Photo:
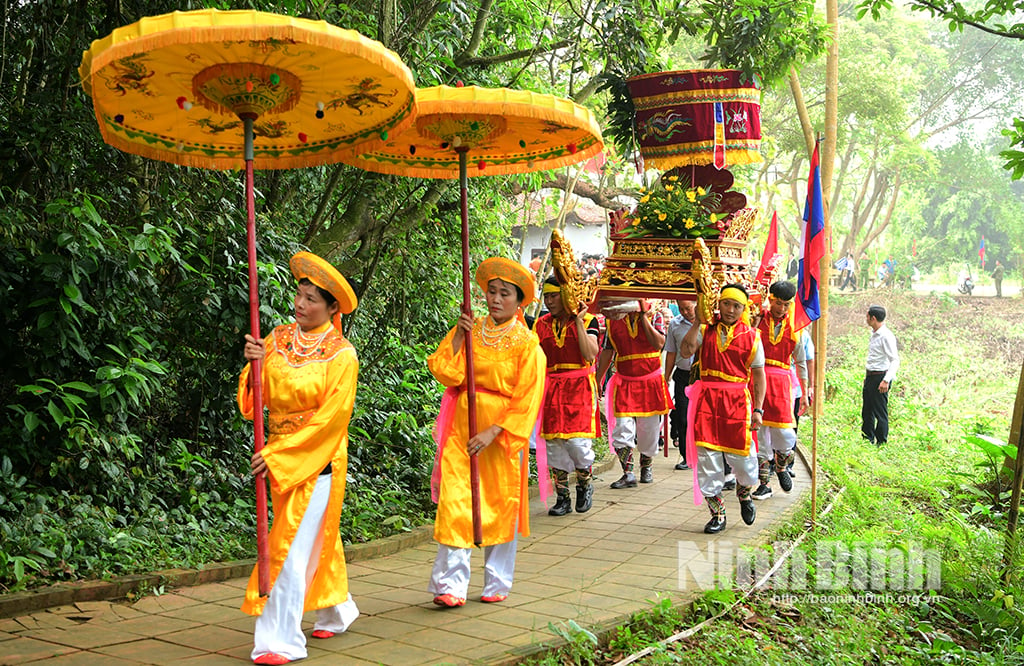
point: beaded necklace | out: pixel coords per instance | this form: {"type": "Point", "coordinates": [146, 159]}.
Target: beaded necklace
{"type": "Point", "coordinates": [304, 344]}
{"type": "Point", "coordinates": [492, 336]}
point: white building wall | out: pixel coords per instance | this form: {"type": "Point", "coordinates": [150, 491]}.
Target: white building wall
{"type": "Point", "coordinates": [584, 240]}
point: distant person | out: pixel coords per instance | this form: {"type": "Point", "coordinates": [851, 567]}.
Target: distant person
{"type": "Point", "coordinates": [864, 269]}
{"type": "Point", "coordinates": [508, 368]}
{"type": "Point", "coordinates": [725, 409]}
{"type": "Point", "coordinates": [798, 391]}
{"type": "Point", "coordinates": [882, 363]}
{"type": "Point", "coordinates": [637, 393]}
{"type": "Point", "coordinates": [569, 420]}
{"type": "Point", "coordinates": [849, 274]}
{"type": "Point", "coordinates": [997, 278]}
{"type": "Point", "coordinates": [677, 367]}
{"type": "Point", "coordinates": [890, 272]}
{"type": "Point", "coordinates": [309, 387]}
{"type": "Point", "coordinates": [535, 265]}
{"type": "Point", "coordinates": [776, 438]}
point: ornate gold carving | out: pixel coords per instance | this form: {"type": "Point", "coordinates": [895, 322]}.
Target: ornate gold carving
{"type": "Point", "coordinates": [576, 289]}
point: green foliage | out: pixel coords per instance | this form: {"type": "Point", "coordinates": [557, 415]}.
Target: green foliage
{"type": "Point", "coordinates": [1014, 158]}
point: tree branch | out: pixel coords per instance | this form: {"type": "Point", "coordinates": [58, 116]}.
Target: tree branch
{"type": "Point", "coordinates": [478, 33]}
{"type": "Point", "coordinates": [513, 55]}
{"type": "Point", "coordinates": [603, 197]}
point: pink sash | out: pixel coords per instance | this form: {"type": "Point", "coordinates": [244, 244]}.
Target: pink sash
{"type": "Point", "coordinates": [693, 392]}
{"type": "Point", "coordinates": [609, 395]}
{"type": "Point", "coordinates": [543, 474]}
{"type": "Point", "coordinates": [443, 427]}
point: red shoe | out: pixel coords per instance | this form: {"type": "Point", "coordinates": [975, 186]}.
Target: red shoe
{"type": "Point", "coordinates": [494, 598]}
{"type": "Point", "coordinates": [322, 633]}
{"type": "Point", "coordinates": [449, 600]}
{"type": "Point", "coordinates": [271, 658]}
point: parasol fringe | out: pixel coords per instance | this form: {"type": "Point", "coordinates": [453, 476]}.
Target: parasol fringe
{"type": "Point", "coordinates": [160, 150]}
{"type": "Point", "coordinates": [475, 100]}
{"type": "Point", "coordinates": [703, 158]}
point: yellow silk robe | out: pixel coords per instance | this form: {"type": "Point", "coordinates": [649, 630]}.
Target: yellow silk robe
{"type": "Point", "coordinates": [310, 401]}
{"type": "Point", "coordinates": [510, 387]}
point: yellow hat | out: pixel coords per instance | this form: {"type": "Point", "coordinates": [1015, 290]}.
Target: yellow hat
{"type": "Point", "coordinates": [509, 271]}
{"type": "Point", "coordinates": [322, 274]}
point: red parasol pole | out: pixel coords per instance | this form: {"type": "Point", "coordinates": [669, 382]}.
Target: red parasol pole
{"type": "Point", "coordinates": [467, 307]}
{"type": "Point", "coordinates": [256, 372]}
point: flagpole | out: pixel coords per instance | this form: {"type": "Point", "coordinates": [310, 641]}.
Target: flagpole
{"type": "Point", "coordinates": [821, 351]}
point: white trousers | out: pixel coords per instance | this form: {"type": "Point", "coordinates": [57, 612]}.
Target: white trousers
{"type": "Point", "coordinates": [770, 440]}
{"type": "Point", "coordinates": [570, 454]}
{"type": "Point", "coordinates": [637, 431]}
{"type": "Point", "coordinates": [450, 574]}
{"type": "Point", "coordinates": [711, 470]}
{"type": "Point", "coordinates": [279, 627]}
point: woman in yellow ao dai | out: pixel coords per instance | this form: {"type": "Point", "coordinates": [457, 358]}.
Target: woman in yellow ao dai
{"type": "Point", "coordinates": [509, 372]}
{"type": "Point", "coordinates": [309, 386]}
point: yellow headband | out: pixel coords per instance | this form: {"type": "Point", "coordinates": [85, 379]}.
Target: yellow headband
{"type": "Point", "coordinates": [734, 294]}
{"type": "Point", "coordinates": [550, 289]}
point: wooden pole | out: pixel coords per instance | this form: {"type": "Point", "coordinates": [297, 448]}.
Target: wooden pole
{"type": "Point", "coordinates": [467, 307]}
{"type": "Point", "coordinates": [820, 350]}
{"type": "Point", "coordinates": [256, 371]}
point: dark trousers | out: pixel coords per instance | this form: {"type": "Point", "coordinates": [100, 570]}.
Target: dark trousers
{"type": "Point", "coordinates": [874, 413]}
{"type": "Point", "coordinates": [677, 417]}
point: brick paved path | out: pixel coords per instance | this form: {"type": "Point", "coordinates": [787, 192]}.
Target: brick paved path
{"type": "Point", "coordinates": [595, 568]}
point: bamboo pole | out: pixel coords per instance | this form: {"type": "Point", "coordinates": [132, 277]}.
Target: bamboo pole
{"type": "Point", "coordinates": [820, 351]}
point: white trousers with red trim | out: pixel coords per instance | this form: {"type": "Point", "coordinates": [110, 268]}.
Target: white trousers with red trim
{"type": "Point", "coordinates": [279, 627]}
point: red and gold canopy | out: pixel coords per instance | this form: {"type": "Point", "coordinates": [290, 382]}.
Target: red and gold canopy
{"type": "Point", "coordinates": [174, 87]}
{"type": "Point", "coordinates": [505, 131]}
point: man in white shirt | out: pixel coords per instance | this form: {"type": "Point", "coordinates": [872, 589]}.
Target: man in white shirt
{"type": "Point", "coordinates": [882, 363]}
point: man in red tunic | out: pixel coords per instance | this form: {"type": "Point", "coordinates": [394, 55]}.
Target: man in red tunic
{"type": "Point", "coordinates": [724, 411]}
{"type": "Point", "coordinates": [777, 435]}
{"type": "Point", "coordinates": [569, 412]}
{"type": "Point", "coordinates": [637, 394]}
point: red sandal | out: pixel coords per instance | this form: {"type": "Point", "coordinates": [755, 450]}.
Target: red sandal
{"type": "Point", "coordinates": [449, 600]}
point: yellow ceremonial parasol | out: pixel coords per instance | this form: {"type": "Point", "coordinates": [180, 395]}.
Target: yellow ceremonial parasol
{"type": "Point", "coordinates": [498, 131]}
{"type": "Point", "coordinates": [232, 89]}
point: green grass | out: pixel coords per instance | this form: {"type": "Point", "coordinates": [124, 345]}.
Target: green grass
{"type": "Point", "coordinates": [929, 488]}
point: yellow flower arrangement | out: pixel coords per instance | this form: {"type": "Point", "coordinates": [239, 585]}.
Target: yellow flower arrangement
{"type": "Point", "coordinates": [676, 210]}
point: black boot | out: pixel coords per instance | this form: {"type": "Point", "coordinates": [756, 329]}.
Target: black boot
{"type": "Point", "coordinates": [584, 491]}
{"type": "Point", "coordinates": [782, 462]}
{"type": "Point", "coordinates": [564, 503]}
{"type": "Point", "coordinates": [748, 512]}
{"type": "Point", "coordinates": [646, 469]}
{"type": "Point", "coordinates": [717, 507]}
{"type": "Point", "coordinates": [562, 506]}
{"type": "Point", "coordinates": [627, 480]}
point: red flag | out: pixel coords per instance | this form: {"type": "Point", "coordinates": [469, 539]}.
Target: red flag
{"type": "Point", "coordinates": [771, 248]}
{"type": "Point", "coordinates": [812, 249]}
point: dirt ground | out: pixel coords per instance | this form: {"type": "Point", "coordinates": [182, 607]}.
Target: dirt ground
{"type": "Point", "coordinates": [990, 327]}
